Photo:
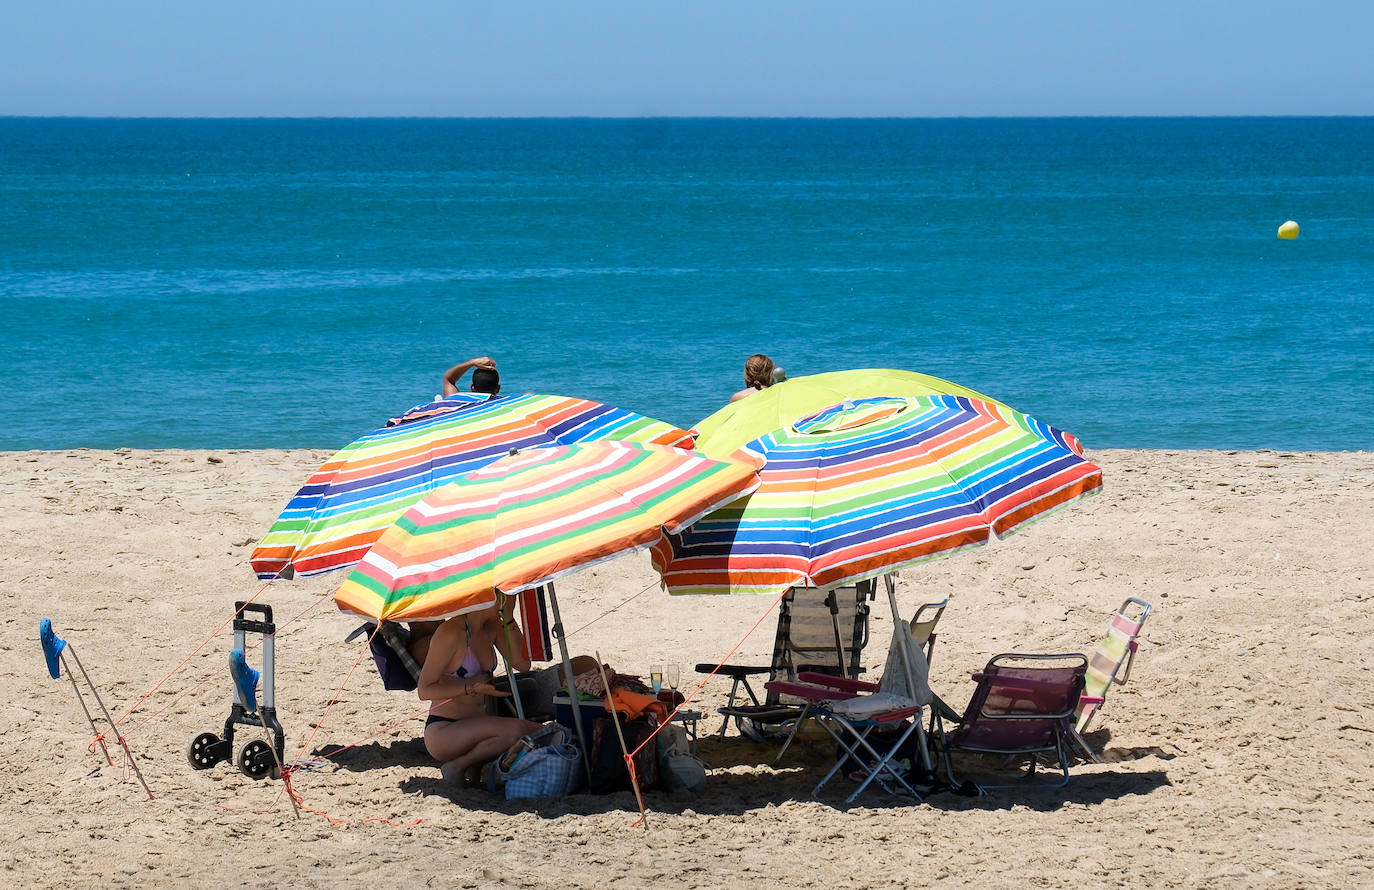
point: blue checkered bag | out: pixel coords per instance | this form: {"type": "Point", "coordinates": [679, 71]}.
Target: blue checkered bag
{"type": "Point", "coordinates": [550, 771]}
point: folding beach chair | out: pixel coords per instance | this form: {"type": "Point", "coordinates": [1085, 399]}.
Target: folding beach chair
{"type": "Point", "coordinates": [1023, 707]}
{"type": "Point", "coordinates": [1110, 663]}
{"type": "Point", "coordinates": [872, 723]}
{"type": "Point", "coordinates": [818, 630]}
{"type": "Point", "coordinates": [390, 646]}
{"type": "Point", "coordinates": [923, 625]}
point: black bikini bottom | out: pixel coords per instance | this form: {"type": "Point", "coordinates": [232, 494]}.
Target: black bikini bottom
{"type": "Point", "coordinates": [438, 718]}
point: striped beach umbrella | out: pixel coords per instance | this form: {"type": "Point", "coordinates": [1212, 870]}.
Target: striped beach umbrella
{"type": "Point", "coordinates": [530, 517]}
{"type": "Point", "coordinates": [865, 487]}
{"type": "Point", "coordinates": [346, 505]}
{"type": "Point", "coordinates": [782, 404]}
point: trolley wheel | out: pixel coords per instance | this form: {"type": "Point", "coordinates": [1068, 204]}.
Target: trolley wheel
{"type": "Point", "coordinates": [255, 759]}
{"type": "Point", "coordinates": [201, 753]}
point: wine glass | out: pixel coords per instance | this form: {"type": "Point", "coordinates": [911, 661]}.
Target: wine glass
{"type": "Point", "coordinates": [656, 677]}
{"type": "Point", "coordinates": [673, 676]}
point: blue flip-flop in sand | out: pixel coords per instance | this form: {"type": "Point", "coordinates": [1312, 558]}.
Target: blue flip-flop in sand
{"type": "Point", "coordinates": [52, 647]}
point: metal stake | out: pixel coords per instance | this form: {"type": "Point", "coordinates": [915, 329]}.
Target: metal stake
{"type": "Point", "coordinates": [128, 755]}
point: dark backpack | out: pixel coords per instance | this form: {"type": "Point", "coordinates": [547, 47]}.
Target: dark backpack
{"type": "Point", "coordinates": [390, 647]}
{"type": "Point", "coordinates": [608, 771]}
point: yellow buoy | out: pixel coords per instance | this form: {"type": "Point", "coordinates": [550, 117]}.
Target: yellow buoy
{"type": "Point", "coordinates": [1288, 231]}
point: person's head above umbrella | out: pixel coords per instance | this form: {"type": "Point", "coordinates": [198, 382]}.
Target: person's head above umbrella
{"type": "Point", "coordinates": [759, 373]}
{"type": "Point", "coordinates": [485, 377]}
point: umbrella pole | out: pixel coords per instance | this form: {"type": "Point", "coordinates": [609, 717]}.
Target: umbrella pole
{"type": "Point", "coordinates": [510, 674]}
{"type": "Point", "coordinates": [568, 683]}
{"type": "Point", "coordinates": [896, 618]}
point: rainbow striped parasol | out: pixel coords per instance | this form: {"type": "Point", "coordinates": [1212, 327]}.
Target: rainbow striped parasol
{"type": "Point", "coordinates": [360, 491]}
{"type": "Point", "coordinates": [530, 517]}
{"type": "Point", "coordinates": [871, 485]}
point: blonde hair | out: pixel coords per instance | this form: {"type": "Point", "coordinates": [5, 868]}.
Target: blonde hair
{"type": "Point", "coordinates": [758, 371]}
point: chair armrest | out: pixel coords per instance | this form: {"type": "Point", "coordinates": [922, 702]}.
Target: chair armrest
{"type": "Point", "coordinates": [894, 716]}
{"type": "Point", "coordinates": [731, 670]}
{"type": "Point", "coordinates": [844, 684]}
{"type": "Point", "coordinates": [808, 691]}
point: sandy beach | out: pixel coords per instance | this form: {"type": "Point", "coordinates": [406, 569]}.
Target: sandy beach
{"type": "Point", "coordinates": [1238, 755]}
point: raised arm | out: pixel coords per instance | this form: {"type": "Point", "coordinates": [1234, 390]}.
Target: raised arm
{"type": "Point", "coordinates": [510, 639]}
{"type": "Point", "coordinates": [455, 373]}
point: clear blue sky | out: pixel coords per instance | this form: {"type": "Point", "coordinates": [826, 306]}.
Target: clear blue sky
{"type": "Point", "coordinates": [686, 57]}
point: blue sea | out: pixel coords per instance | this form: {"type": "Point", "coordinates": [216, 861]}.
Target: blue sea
{"type": "Point", "coordinates": [294, 283]}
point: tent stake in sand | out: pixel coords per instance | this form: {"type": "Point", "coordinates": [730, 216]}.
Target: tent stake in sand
{"type": "Point", "coordinates": [629, 761]}
{"type": "Point", "coordinates": [55, 652]}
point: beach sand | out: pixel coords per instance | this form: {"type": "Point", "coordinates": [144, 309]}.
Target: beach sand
{"type": "Point", "coordinates": [1237, 756]}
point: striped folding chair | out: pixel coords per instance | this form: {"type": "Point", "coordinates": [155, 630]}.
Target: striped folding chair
{"type": "Point", "coordinates": [874, 723]}
{"type": "Point", "coordinates": [819, 630]}
{"type": "Point", "coordinates": [1110, 662]}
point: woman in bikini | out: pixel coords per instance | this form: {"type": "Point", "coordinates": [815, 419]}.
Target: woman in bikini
{"type": "Point", "coordinates": [457, 672]}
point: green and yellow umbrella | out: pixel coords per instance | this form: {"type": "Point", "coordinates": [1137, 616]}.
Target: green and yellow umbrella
{"type": "Point", "coordinates": [783, 404]}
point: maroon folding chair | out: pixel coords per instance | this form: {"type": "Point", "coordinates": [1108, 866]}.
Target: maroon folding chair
{"type": "Point", "coordinates": [1023, 707]}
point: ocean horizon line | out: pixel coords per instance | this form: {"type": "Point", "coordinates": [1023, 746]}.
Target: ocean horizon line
{"type": "Point", "coordinates": [677, 117]}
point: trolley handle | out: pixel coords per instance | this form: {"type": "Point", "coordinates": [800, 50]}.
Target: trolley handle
{"type": "Point", "coordinates": [243, 623]}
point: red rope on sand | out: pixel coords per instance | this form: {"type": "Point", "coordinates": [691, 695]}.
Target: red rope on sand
{"type": "Point", "coordinates": [290, 789]}
{"type": "Point", "coordinates": [609, 611]}
{"type": "Point", "coordinates": [214, 673]}
{"type": "Point", "coordinates": [300, 802]}
{"type": "Point", "coordinates": [203, 643]}
{"type": "Point", "coordinates": [287, 771]}
{"type": "Point", "coordinates": [707, 678]}
{"type": "Point", "coordinates": [334, 699]}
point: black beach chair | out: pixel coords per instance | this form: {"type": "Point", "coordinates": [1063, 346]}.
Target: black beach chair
{"type": "Point", "coordinates": [819, 631]}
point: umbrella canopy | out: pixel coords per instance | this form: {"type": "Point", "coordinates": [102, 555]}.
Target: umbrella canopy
{"type": "Point", "coordinates": [530, 517]}
{"type": "Point", "coordinates": [782, 404]}
{"type": "Point", "coordinates": [360, 491]}
{"type": "Point", "coordinates": [871, 485]}
{"type": "Point", "coordinates": [443, 405]}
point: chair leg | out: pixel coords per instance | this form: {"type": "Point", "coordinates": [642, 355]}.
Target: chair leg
{"type": "Point", "coordinates": [1082, 745]}
{"type": "Point", "coordinates": [792, 734]}
{"type": "Point", "coordinates": [938, 733]}
{"type": "Point", "coordinates": [730, 702]}
{"type": "Point", "coordinates": [839, 760]}
{"type": "Point", "coordinates": [852, 749]}
{"type": "Point", "coordinates": [882, 760]}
